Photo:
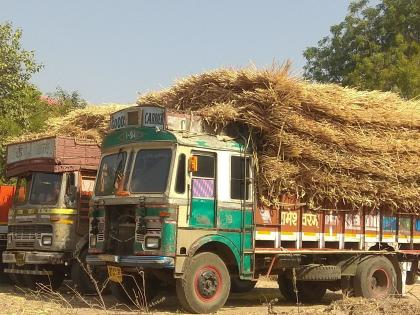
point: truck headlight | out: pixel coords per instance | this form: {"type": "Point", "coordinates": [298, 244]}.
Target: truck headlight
{"type": "Point", "coordinates": [92, 240]}
{"type": "Point", "coordinates": [46, 240]}
{"type": "Point", "coordinates": [153, 242]}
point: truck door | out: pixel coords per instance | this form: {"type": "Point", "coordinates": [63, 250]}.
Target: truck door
{"type": "Point", "coordinates": [86, 185]}
{"type": "Point", "coordinates": [203, 205]}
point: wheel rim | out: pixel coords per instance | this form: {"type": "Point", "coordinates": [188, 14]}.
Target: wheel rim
{"type": "Point", "coordinates": [208, 283]}
{"type": "Point", "coordinates": [379, 282]}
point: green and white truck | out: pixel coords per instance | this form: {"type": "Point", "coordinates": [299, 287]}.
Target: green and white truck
{"type": "Point", "coordinates": [176, 203]}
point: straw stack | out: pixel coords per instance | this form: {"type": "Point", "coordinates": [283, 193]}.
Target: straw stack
{"type": "Point", "coordinates": [330, 146]}
{"type": "Point", "coordinates": [90, 123]}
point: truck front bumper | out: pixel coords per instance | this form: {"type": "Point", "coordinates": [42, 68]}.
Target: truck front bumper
{"type": "Point", "coordinates": [155, 262]}
{"type": "Point", "coordinates": [21, 258]}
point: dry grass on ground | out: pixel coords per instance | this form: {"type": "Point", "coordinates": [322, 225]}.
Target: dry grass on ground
{"type": "Point", "coordinates": [14, 301]}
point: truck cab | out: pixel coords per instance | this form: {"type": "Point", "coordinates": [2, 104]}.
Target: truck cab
{"type": "Point", "coordinates": [167, 191]}
{"type": "Point", "coordinates": [48, 223]}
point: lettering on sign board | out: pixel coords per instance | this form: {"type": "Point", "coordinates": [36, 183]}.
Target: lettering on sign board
{"type": "Point", "coordinates": [291, 218]}
{"type": "Point", "coordinates": [372, 222]}
{"type": "Point", "coordinates": [153, 117]}
{"type": "Point", "coordinates": [310, 219]}
{"type": "Point", "coordinates": [44, 148]}
{"type": "Point", "coordinates": [118, 120]}
{"type": "Point", "coordinates": [352, 221]}
{"type": "Point", "coordinates": [131, 135]}
{"type": "Point", "coordinates": [331, 219]}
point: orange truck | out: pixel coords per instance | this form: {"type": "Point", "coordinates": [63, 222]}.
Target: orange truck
{"type": "Point", "coordinates": [6, 198]}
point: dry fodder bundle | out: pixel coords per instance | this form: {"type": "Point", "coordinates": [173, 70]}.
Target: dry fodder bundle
{"type": "Point", "coordinates": [372, 306]}
{"type": "Point", "coordinates": [89, 123]}
{"type": "Point", "coordinates": [325, 143]}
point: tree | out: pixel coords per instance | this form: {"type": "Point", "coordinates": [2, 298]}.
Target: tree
{"type": "Point", "coordinates": [375, 47]}
{"type": "Point", "coordinates": [21, 109]}
{"type": "Point", "coordinates": [67, 101]}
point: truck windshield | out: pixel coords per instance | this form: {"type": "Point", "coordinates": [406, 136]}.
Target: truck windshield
{"type": "Point", "coordinates": [110, 173]}
{"type": "Point", "coordinates": [45, 188]}
{"type": "Point", "coordinates": [23, 186]}
{"type": "Point", "coordinates": [151, 170]}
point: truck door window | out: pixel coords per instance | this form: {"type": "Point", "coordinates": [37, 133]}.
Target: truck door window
{"type": "Point", "coordinates": [71, 191]}
{"type": "Point", "coordinates": [239, 178]}
{"type": "Point", "coordinates": [180, 175]}
{"type": "Point", "coordinates": [205, 166]}
{"type": "Point", "coordinates": [22, 190]}
{"type": "Point", "coordinates": [150, 171]}
{"type": "Point", "coordinates": [203, 178]}
{"type": "Point", "coordinates": [46, 188]}
{"type": "Point", "coordinates": [110, 173]}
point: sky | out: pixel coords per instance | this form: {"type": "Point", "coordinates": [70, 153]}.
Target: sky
{"type": "Point", "coordinates": [109, 51]}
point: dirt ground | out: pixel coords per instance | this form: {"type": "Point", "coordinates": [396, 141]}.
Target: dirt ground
{"type": "Point", "coordinates": [14, 300]}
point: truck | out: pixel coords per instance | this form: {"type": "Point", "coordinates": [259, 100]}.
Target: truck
{"type": "Point", "coordinates": [176, 204]}
{"type": "Point", "coordinates": [6, 197]}
{"type": "Point", "coordinates": [48, 222]}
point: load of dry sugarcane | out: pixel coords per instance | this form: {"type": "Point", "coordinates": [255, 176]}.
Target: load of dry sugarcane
{"type": "Point", "coordinates": [322, 142]}
{"type": "Point", "coordinates": [89, 123]}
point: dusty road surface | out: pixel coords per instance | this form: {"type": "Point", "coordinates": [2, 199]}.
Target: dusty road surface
{"type": "Point", "coordinates": [17, 301]}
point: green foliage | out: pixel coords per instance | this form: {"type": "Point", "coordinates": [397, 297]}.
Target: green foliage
{"type": "Point", "coordinates": [67, 101]}
{"type": "Point", "coordinates": [20, 106]}
{"type": "Point", "coordinates": [375, 47]}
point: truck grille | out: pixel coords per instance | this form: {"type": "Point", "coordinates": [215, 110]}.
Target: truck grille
{"type": "Point", "coordinates": [121, 226]}
{"type": "Point", "coordinates": [29, 232]}
{"type": "Point", "coordinates": [24, 244]}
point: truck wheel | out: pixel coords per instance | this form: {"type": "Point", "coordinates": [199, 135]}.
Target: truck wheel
{"type": "Point", "coordinates": [412, 275]}
{"type": "Point", "coordinates": [307, 291]}
{"type": "Point", "coordinates": [35, 282]}
{"type": "Point", "coordinates": [131, 291]}
{"type": "Point", "coordinates": [411, 278]}
{"type": "Point", "coordinates": [241, 286]}
{"type": "Point", "coordinates": [17, 280]}
{"type": "Point", "coordinates": [375, 278]}
{"type": "Point", "coordinates": [79, 275]}
{"type": "Point", "coordinates": [206, 284]}
{"type": "Point", "coordinates": [4, 277]}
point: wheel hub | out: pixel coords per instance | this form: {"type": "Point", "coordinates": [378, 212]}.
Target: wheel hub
{"type": "Point", "coordinates": [208, 284]}
{"type": "Point", "coordinates": [379, 282]}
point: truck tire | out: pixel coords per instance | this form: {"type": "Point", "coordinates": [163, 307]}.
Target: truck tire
{"type": "Point", "coordinates": [412, 275]}
{"type": "Point", "coordinates": [318, 273]}
{"type": "Point", "coordinates": [35, 282]}
{"type": "Point", "coordinates": [206, 284]}
{"type": "Point", "coordinates": [307, 291]}
{"type": "Point", "coordinates": [17, 280]}
{"type": "Point", "coordinates": [241, 286]}
{"type": "Point", "coordinates": [375, 278]}
{"type": "Point", "coordinates": [131, 291]}
{"type": "Point", "coordinates": [79, 275]}
{"type": "Point", "coordinates": [411, 278]}
{"type": "Point", "coordinates": [4, 277]}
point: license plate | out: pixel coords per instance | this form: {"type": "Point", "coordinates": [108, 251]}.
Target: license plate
{"type": "Point", "coordinates": [20, 259]}
{"type": "Point", "coordinates": [114, 274]}
{"type": "Point", "coordinates": [108, 258]}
